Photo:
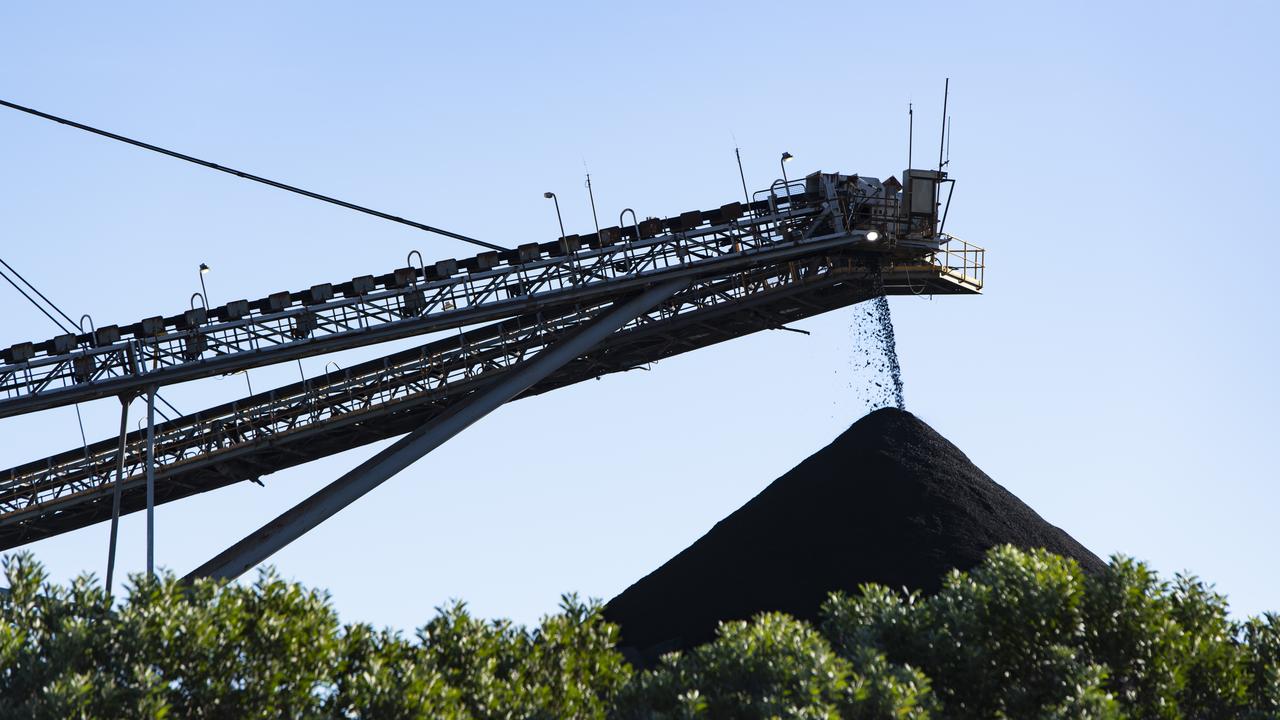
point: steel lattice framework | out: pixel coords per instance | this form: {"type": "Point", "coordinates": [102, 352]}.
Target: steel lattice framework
{"type": "Point", "coordinates": [794, 253]}
{"type": "Point", "coordinates": [410, 301]}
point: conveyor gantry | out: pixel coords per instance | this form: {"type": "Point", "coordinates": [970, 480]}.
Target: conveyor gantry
{"type": "Point", "coordinates": [796, 250]}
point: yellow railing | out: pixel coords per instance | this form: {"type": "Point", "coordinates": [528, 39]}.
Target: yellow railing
{"type": "Point", "coordinates": [961, 260]}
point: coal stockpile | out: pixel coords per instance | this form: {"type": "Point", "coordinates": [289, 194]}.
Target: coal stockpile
{"type": "Point", "coordinates": [889, 501]}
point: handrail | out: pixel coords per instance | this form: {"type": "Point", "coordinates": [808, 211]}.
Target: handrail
{"type": "Point", "coordinates": [969, 256]}
{"type": "Point", "coordinates": [772, 194]}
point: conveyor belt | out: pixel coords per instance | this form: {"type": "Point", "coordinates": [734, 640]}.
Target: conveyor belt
{"type": "Point", "coordinates": [778, 262]}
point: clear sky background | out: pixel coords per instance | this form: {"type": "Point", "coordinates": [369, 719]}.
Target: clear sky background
{"type": "Point", "coordinates": [1118, 161]}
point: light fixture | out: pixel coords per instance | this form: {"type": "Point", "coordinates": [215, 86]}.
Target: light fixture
{"type": "Point", "coordinates": [786, 158]}
{"type": "Point", "coordinates": [873, 236]}
{"type": "Point", "coordinates": [552, 196]}
{"type": "Point", "coordinates": [204, 292]}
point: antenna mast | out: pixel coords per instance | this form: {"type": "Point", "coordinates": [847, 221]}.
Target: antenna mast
{"type": "Point", "coordinates": [948, 162]}
{"type": "Point", "coordinates": [911, 133]}
{"type": "Point", "coordinates": [943, 138]}
{"type": "Point", "coordinates": [591, 194]}
{"type": "Point", "coordinates": [745, 195]}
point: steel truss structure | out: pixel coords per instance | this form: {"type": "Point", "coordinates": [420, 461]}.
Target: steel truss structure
{"type": "Point", "coordinates": [795, 252]}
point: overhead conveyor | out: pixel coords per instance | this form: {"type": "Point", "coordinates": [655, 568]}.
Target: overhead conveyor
{"type": "Point", "coordinates": [796, 250]}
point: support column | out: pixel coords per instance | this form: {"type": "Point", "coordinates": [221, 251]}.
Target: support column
{"type": "Point", "coordinates": [151, 481]}
{"type": "Point", "coordinates": [115, 491]}
{"type": "Point", "coordinates": [325, 503]}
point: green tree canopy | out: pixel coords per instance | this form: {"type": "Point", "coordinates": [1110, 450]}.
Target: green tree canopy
{"type": "Point", "coordinates": [1023, 635]}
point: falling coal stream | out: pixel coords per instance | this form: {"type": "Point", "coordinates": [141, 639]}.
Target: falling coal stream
{"type": "Point", "coordinates": [874, 342]}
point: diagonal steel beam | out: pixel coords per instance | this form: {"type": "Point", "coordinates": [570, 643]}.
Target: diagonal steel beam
{"type": "Point", "coordinates": [327, 502]}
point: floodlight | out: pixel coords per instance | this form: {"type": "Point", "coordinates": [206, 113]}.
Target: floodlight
{"type": "Point", "coordinates": [552, 196]}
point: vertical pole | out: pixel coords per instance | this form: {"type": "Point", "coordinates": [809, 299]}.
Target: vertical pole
{"type": "Point", "coordinates": [83, 440]}
{"type": "Point", "coordinates": [745, 195]}
{"type": "Point", "coordinates": [591, 194]}
{"type": "Point", "coordinates": [942, 137]}
{"type": "Point", "coordinates": [151, 481]}
{"type": "Point", "coordinates": [904, 207]}
{"type": "Point", "coordinates": [786, 182]}
{"type": "Point", "coordinates": [552, 196]}
{"type": "Point", "coordinates": [558, 218]}
{"type": "Point", "coordinates": [942, 142]}
{"type": "Point", "coordinates": [115, 493]}
{"type": "Point", "coordinates": [948, 160]}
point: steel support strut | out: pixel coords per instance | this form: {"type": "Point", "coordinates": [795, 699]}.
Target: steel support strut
{"type": "Point", "coordinates": [309, 513]}
{"type": "Point", "coordinates": [151, 481]}
{"type": "Point", "coordinates": [115, 491]}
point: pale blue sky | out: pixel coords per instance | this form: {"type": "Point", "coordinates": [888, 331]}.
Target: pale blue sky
{"type": "Point", "coordinates": [1116, 160]}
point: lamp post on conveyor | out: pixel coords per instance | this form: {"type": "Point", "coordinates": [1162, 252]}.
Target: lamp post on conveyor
{"type": "Point", "coordinates": [204, 293]}
{"type": "Point", "coordinates": [786, 183]}
{"type": "Point", "coordinates": [552, 196]}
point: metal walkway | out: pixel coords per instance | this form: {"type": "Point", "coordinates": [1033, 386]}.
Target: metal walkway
{"type": "Point", "coordinates": [796, 251]}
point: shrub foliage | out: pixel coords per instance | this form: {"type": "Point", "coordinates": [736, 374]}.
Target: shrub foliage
{"type": "Point", "coordinates": [1023, 635]}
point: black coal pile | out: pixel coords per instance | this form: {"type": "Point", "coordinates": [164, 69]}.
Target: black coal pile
{"type": "Point", "coordinates": [889, 501]}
